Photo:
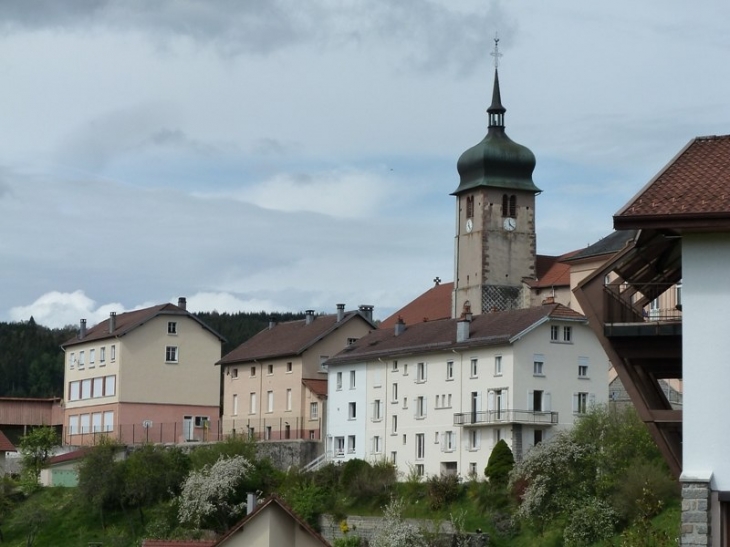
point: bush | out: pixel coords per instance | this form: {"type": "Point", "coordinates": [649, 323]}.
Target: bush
{"type": "Point", "coordinates": [500, 464]}
{"type": "Point", "coordinates": [592, 521]}
{"type": "Point", "coordinates": [442, 490]}
{"type": "Point", "coordinates": [644, 490]}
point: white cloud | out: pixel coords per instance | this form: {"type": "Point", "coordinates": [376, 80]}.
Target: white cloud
{"type": "Point", "coordinates": [57, 309]}
{"type": "Point", "coordinates": [223, 302]}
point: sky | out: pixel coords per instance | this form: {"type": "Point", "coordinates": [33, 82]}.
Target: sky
{"type": "Point", "coordinates": [281, 155]}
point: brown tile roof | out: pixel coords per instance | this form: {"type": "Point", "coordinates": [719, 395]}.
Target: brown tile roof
{"type": "Point", "coordinates": [128, 321]}
{"type": "Point", "coordinates": [316, 386]}
{"type": "Point", "coordinates": [68, 456]}
{"type": "Point", "coordinates": [694, 186]}
{"type": "Point", "coordinates": [290, 338]}
{"type": "Point", "coordinates": [611, 244]}
{"type": "Point", "coordinates": [5, 444]}
{"type": "Point", "coordinates": [273, 500]}
{"type": "Point", "coordinates": [485, 330]}
{"type": "Point", "coordinates": [432, 305]}
{"type": "Point", "coordinates": [551, 271]}
{"type": "Point", "coordinates": [178, 543]}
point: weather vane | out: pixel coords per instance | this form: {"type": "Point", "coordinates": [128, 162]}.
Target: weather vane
{"type": "Point", "coordinates": [496, 54]}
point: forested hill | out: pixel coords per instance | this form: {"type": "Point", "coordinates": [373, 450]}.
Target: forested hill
{"type": "Point", "coordinates": [31, 359]}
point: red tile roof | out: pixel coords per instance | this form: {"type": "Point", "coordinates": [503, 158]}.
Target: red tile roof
{"type": "Point", "coordinates": [274, 500]}
{"type": "Point", "coordinates": [695, 185]}
{"type": "Point", "coordinates": [68, 456]}
{"type": "Point", "coordinates": [485, 330]}
{"type": "Point", "coordinates": [432, 305]}
{"type": "Point", "coordinates": [290, 338]}
{"type": "Point", "coordinates": [5, 444]}
{"type": "Point", "coordinates": [316, 386]}
{"type": "Point", "coordinates": [551, 271]}
{"type": "Point", "coordinates": [128, 321]}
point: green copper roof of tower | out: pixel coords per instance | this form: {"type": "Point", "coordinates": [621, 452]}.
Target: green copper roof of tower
{"type": "Point", "coordinates": [497, 161]}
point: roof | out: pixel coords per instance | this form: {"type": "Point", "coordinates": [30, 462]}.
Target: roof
{"type": "Point", "coordinates": [434, 304]}
{"type": "Point", "coordinates": [551, 271]}
{"type": "Point", "coordinates": [611, 244]}
{"type": "Point", "coordinates": [289, 338]}
{"type": "Point", "coordinates": [692, 192]}
{"type": "Point", "coordinates": [489, 329]}
{"type": "Point", "coordinates": [317, 386]}
{"type": "Point", "coordinates": [273, 500]}
{"type": "Point", "coordinates": [5, 444]}
{"type": "Point", "coordinates": [67, 457]}
{"type": "Point", "coordinates": [128, 321]}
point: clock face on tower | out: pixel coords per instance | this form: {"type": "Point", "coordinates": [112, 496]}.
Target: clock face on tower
{"type": "Point", "coordinates": [509, 224]}
{"type": "Point", "coordinates": [469, 225]}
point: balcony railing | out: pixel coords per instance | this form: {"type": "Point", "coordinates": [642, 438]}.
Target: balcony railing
{"type": "Point", "coordinates": [643, 303]}
{"type": "Point", "coordinates": [486, 417]}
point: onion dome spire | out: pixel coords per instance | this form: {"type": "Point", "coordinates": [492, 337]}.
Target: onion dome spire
{"type": "Point", "coordinates": [497, 161]}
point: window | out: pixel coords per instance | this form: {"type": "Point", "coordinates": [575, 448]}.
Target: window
{"type": "Point", "coordinates": [339, 381]}
{"type": "Point", "coordinates": [352, 411]}
{"type": "Point", "coordinates": [505, 205]}
{"type": "Point", "coordinates": [395, 366]}
{"type": "Point", "coordinates": [404, 438]}
{"type": "Point", "coordinates": [437, 401]}
{"type": "Point", "coordinates": [113, 351]}
{"type": "Point", "coordinates": [449, 370]}
{"type": "Point", "coordinates": [376, 445]}
{"type": "Point", "coordinates": [474, 368]}
{"type": "Point", "coordinates": [270, 369]}
{"type": "Point", "coordinates": [377, 415]}
{"type": "Point", "coordinates": [267, 433]}
{"type": "Point", "coordinates": [171, 354]}
{"type": "Point", "coordinates": [394, 393]}
{"type": "Point", "coordinates": [234, 373]}
{"type": "Point", "coordinates": [394, 424]}
{"type": "Point", "coordinates": [580, 403]}
{"type": "Point", "coordinates": [172, 327]}
{"type": "Point", "coordinates": [449, 403]}
{"type": "Point", "coordinates": [82, 360]}
{"type": "Point", "coordinates": [513, 206]}
{"type": "Point", "coordinates": [288, 399]}
{"type": "Point", "coordinates": [393, 457]}
{"type": "Point", "coordinates": [98, 387]}
{"type": "Point", "coordinates": [288, 367]}
{"type": "Point", "coordinates": [469, 206]}
{"type": "Point", "coordinates": [351, 444]}
{"type": "Point", "coordinates": [322, 362]}
{"type": "Point", "coordinates": [474, 439]}
{"type": "Point", "coordinates": [420, 446]}
{"type": "Point", "coordinates": [269, 401]}
{"type": "Point", "coordinates": [73, 425]}
{"type": "Point", "coordinates": [86, 389]}
{"type": "Point", "coordinates": [421, 372]}
{"type": "Point", "coordinates": [582, 367]}
{"type": "Point", "coordinates": [405, 402]}
{"type": "Point", "coordinates": [102, 356]}
{"type": "Point", "coordinates": [110, 386]}
{"type": "Point", "coordinates": [567, 334]}
{"type": "Point", "coordinates": [72, 361]}
{"type": "Point", "coordinates": [92, 357]}
{"type": "Point", "coordinates": [554, 333]}
{"type": "Point", "coordinates": [352, 379]}
{"type": "Point", "coordinates": [537, 437]}
{"type": "Point", "coordinates": [85, 423]}
{"type": "Point", "coordinates": [420, 469]}
{"type": "Point", "coordinates": [313, 411]}
{"type": "Point", "coordinates": [202, 421]}
{"type": "Point", "coordinates": [339, 446]}
{"type": "Point", "coordinates": [253, 372]}
{"type": "Point", "coordinates": [538, 362]}
{"type": "Point", "coordinates": [405, 369]}
{"type": "Point", "coordinates": [108, 420]}
{"type": "Point", "coordinates": [537, 399]}
{"type": "Point", "coordinates": [235, 405]}
{"type": "Point", "coordinates": [498, 365]}
{"type": "Point", "coordinates": [436, 437]}
{"type": "Point", "coordinates": [449, 441]}
{"type": "Point", "coordinates": [74, 391]}
{"type": "Point", "coordinates": [252, 403]}
{"type": "Point", "coordinates": [472, 469]}
{"type": "Point", "coordinates": [420, 408]}
{"type": "Point", "coordinates": [497, 435]}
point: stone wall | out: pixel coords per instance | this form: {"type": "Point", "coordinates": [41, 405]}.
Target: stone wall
{"type": "Point", "coordinates": [696, 516]}
{"type": "Point", "coordinates": [286, 454]}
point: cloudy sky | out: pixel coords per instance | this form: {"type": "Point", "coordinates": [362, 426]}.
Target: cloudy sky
{"type": "Point", "coordinates": [286, 155]}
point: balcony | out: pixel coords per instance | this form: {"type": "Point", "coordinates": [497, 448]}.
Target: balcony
{"type": "Point", "coordinates": [643, 309]}
{"type": "Point", "coordinates": [488, 417]}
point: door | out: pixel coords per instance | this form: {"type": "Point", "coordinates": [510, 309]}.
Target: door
{"type": "Point", "coordinates": [474, 405]}
{"type": "Point", "coordinates": [188, 428]}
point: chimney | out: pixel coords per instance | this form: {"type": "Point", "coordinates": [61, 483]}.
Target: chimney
{"type": "Point", "coordinates": [182, 302]}
{"type": "Point", "coordinates": [82, 329]}
{"type": "Point", "coordinates": [308, 316]}
{"type": "Point", "coordinates": [112, 322]}
{"type": "Point", "coordinates": [400, 326]}
{"type": "Point", "coordinates": [340, 312]}
{"type": "Point", "coordinates": [462, 326]}
{"type": "Point", "coordinates": [250, 502]}
{"type": "Point", "coordinates": [367, 311]}
{"type": "Point", "coordinates": [272, 324]}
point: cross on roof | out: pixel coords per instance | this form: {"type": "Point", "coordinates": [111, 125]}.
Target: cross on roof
{"type": "Point", "coordinates": [496, 54]}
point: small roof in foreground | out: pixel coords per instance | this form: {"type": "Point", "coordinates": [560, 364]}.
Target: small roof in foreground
{"type": "Point", "coordinates": [5, 444]}
{"type": "Point", "coordinates": [691, 193]}
{"type": "Point", "coordinates": [488, 329]}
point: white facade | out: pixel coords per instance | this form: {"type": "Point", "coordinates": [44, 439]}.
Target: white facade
{"type": "Point", "coordinates": [346, 412]}
{"type": "Point", "coordinates": [705, 350]}
{"type": "Point", "coordinates": [443, 411]}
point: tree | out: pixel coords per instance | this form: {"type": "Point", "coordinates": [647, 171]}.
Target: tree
{"type": "Point", "coordinates": [101, 477]}
{"type": "Point", "coordinates": [35, 449]}
{"type": "Point", "coordinates": [395, 531]}
{"type": "Point", "coordinates": [500, 464]}
{"type": "Point", "coordinates": [208, 496]}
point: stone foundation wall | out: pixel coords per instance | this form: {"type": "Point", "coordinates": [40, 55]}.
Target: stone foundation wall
{"type": "Point", "coordinates": [696, 516]}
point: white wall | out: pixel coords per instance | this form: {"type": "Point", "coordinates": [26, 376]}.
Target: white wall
{"type": "Point", "coordinates": [338, 400]}
{"type": "Point", "coordinates": [706, 357]}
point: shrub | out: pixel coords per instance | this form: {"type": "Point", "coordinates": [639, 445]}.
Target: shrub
{"type": "Point", "coordinates": [643, 491]}
{"type": "Point", "coordinates": [442, 490]}
{"type": "Point", "coordinates": [590, 521]}
{"type": "Point", "coordinates": [500, 464]}
{"type": "Point", "coordinates": [308, 501]}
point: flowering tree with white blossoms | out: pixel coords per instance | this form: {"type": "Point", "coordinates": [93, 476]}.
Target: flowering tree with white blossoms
{"type": "Point", "coordinates": [207, 495]}
{"type": "Point", "coordinates": [395, 531]}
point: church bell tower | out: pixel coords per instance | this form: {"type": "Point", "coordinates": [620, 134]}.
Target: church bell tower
{"type": "Point", "coordinates": [495, 242]}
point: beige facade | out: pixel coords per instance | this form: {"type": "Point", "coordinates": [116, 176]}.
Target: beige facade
{"type": "Point", "coordinates": [275, 386]}
{"type": "Point", "coordinates": [154, 373]}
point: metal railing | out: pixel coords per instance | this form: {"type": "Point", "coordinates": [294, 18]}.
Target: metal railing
{"type": "Point", "coordinates": [483, 417]}
{"type": "Point", "coordinates": [643, 303]}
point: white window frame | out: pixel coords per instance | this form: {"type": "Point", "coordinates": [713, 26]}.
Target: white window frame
{"type": "Point", "coordinates": [420, 446]}
{"type": "Point", "coordinates": [394, 392]}
{"type": "Point", "coordinates": [352, 411]}
{"type": "Point", "coordinates": [421, 373]}
{"type": "Point", "coordinates": [474, 368]}
{"type": "Point", "coordinates": [353, 379]}
{"type": "Point", "coordinates": [172, 328]}
{"type": "Point", "coordinates": [351, 444]}
{"type": "Point", "coordinates": [113, 351]}
{"type": "Point", "coordinates": [377, 410]}
{"type": "Point", "coordinates": [269, 401]}
{"type": "Point", "coordinates": [314, 410]}
{"type": "Point", "coordinates": [288, 399]}
{"type": "Point", "coordinates": [538, 364]}
{"type": "Point", "coordinates": [568, 334]}
{"type": "Point", "coordinates": [449, 371]}
{"type": "Point", "coordinates": [338, 382]}
{"type": "Point", "coordinates": [102, 356]}
{"type": "Point", "coordinates": [171, 354]}
{"type": "Point", "coordinates": [252, 403]}
{"type": "Point", "coordinates": [498, 365]}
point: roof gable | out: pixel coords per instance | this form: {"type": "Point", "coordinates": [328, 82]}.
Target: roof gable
{"type": "Point", "coordinates": [290, 338]}
{"type": "Point", "coordinates": [5, 444]}
{"type": "Point", "coordinates": [126, 322]}
{"type": "Point", "coordinates": [432, 305]}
